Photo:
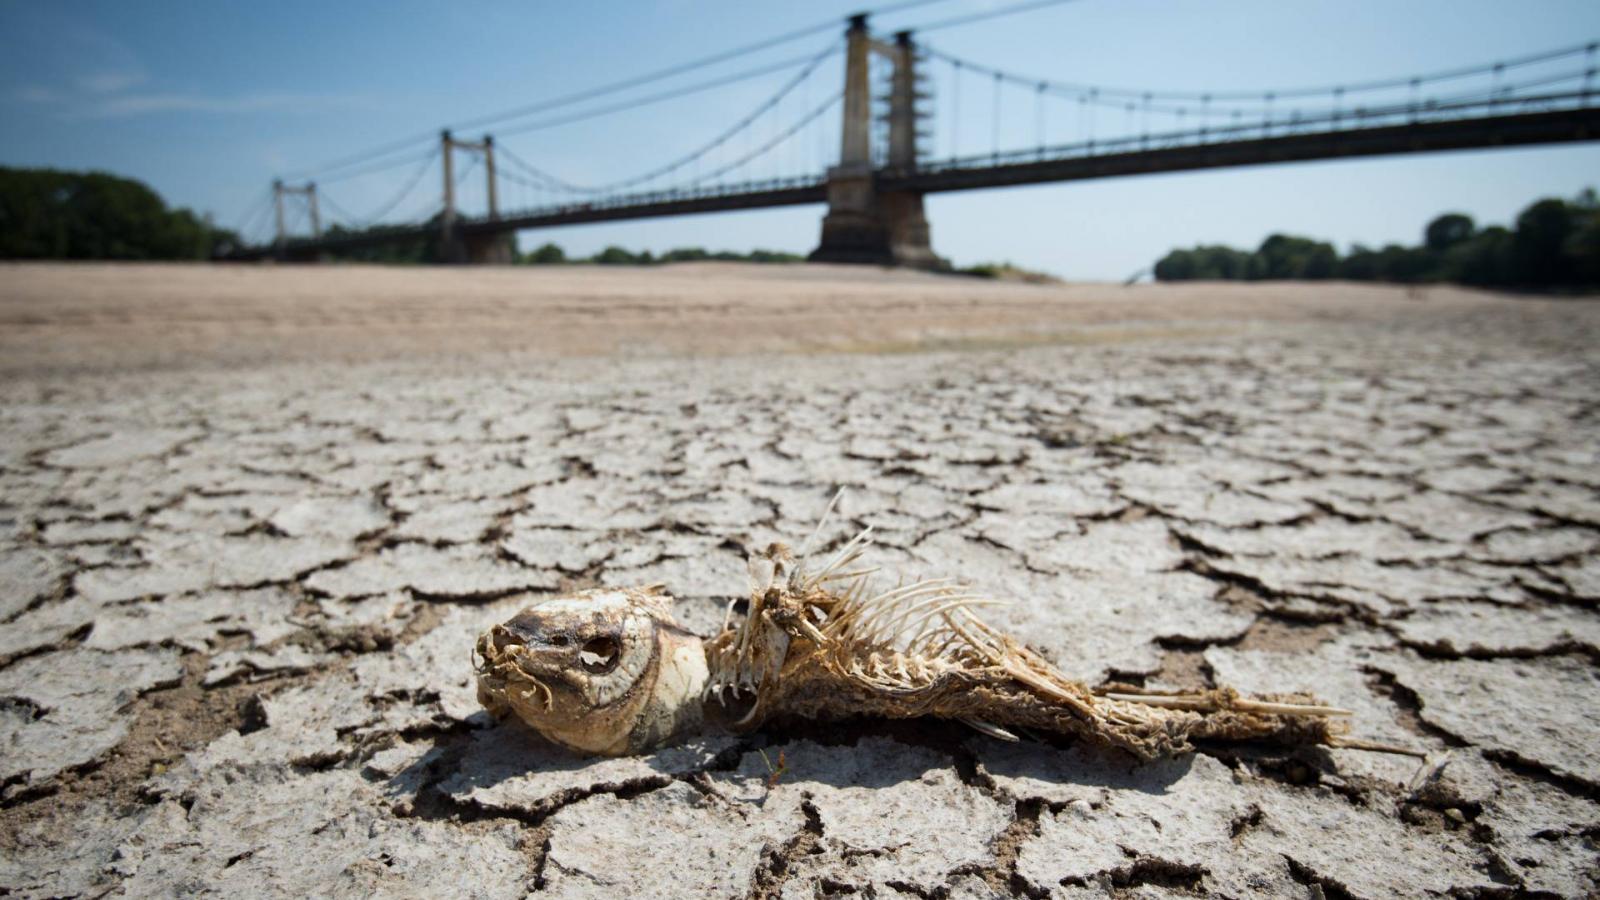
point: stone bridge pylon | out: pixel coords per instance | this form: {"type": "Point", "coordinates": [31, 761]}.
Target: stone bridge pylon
{"type": "Point", "coordinates": [497, 247]}
{"type": "Point", "coordinates": [864, 224]}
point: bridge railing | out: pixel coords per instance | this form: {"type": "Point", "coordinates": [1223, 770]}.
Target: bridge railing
{"type": "Point", "coordinates": [655, 198]}
{"type": "Point", "coordinates": [1322, 122]}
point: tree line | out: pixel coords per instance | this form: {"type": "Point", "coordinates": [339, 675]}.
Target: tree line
{"type": "Point", "coordinates": [552, 254]}
{"type": "Point", "coordinates": [1554, 244]}
{"type": "Point", "coordinates": [51, 214]}
{"type": "Point", "coordinates": [429, 249]}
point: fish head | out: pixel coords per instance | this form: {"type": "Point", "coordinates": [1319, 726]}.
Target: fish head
{"type": "Point", "coordinates": [604, 671]}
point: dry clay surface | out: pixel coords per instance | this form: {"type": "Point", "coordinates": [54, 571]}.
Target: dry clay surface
{"type": "Point", "coordinates": [236, 604]}
{"type": "Point", "coordinates": [76, 318]}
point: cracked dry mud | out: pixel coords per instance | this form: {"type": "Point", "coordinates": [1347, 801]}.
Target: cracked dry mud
{"type": "Point", "coordinates": [237, 602]}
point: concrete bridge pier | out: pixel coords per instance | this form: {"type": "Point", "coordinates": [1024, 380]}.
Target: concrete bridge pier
{"type": "Point", "coordinates": [298, 255]}
{"type": "Point", "coordinates": [482, 248]}
{"type": "Point", "coordinates": [864, 225]}
{"type": "Point", "coordinates": [494, 249]}
{"type": "Point", "coordinates": [853, 231]}
{"type": "Point", "coordinates": [910, 242]}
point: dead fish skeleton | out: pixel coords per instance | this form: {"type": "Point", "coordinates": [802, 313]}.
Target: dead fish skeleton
{"type": "Point", "coordinates": [610, 672]}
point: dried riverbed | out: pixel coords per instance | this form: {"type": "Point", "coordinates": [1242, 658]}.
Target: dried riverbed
{"type": "Point", "coordinates": [251, 518]}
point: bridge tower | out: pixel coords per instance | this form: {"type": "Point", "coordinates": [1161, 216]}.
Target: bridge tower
{"type": "Point", "coordinates": [280, 191]}
{"type": "Point", "coordinates": [308, 191]}
{"type": "Point", "coordinates": [489, 247]}
{"type": "Point", "coordinates": [863, 224]}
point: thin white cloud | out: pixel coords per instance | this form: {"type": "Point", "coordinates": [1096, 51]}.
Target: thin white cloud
{"type": "Point", "coordinates": [110, 82]}
{"type": "Point", "coordinates": [98, 76]}
{"type": "Point", "coordinates": [153, 103]}
{"type": "Point", "coordinates": [33, 93]}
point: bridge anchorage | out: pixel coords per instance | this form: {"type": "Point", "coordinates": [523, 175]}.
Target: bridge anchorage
{"type": "Point", "coordinates": [866, 224]}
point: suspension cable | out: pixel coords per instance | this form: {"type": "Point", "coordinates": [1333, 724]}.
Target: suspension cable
{"type": "Point", "coordinates": [1400, 109]}
{"type": "Point", "coordinates": [253, 212]}
{"type": "Point", "coordinates": [790, 132]}
{"type": "Point", "coordinates": [377, 166]}
{"type": "Point", "coordinates": [541, 179]}
{"type": "Point", "coordinates": [713, 144]}
{"type": "Point", "coordinates": [341, 216]}
{"type": "Point", "coordinates": [602, 90]}
{"type": "Point", "coordinates": [255, 225]}
{"type": "Point", "coordinates": [749, 156]}
{"type": "Point", "coordinates": [468, 169]}
{"type": "Point", "coordinates": [386, 208]}
{"type": "Point", "coordinates": [1120, 94]}
{"type": "Point", "coordinates": [662, 96]}
{"type": "Point", "coordinates": [682, 68]}
{"type": "Point", "coordinates": [987, 14]}
{"type": "Point", "coordinates": [1086, 95]}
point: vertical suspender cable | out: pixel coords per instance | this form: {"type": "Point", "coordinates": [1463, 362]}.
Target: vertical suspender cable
{"type": "Point", "coordinates": [955, 115]}
{"type": "Point", "coordinates": [1588, 71]}
{"type": "Point", "coordinates": [1038, 114]}
{"type": "Point", "coordinates": [1094, 98]}
{"type": "Point", "coordinates": [1144, 127]}
{"type": "Point", "coordinates": [995, 129]}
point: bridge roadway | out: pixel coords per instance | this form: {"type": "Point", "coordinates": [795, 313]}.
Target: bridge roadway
{"type": "Point", "coordinates": [1123, 157]}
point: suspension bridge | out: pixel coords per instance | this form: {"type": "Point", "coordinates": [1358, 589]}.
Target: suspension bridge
{"type": "Point", "coordinates": [866, 142]}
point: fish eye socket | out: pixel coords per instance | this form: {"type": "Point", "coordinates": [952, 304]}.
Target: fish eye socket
{"type": "Point", "coordinates": [502, 639]}
{"type": "Point", "coordinates": [600, 655]}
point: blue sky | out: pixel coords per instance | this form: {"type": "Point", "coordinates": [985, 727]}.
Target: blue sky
{"type": "Point", "coordinates": [208, 101]}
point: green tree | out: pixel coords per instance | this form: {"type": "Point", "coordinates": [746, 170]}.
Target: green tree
{"type": "Point", "coordinates": [546, 254]}
{"type": "Point", "coordinates": [1555, 244]}
{"type": "Point", "coordinates": [1360, 265]}
{"type": "Point", "coordinates": [1406, 265]}
{"type": "Point", "coordinates": [1284, 256]}
{"type": "Point", "coordinates": [759, 255]}
{"type": "Point", "coordinates": [1321, 263]}
{"type": "Point", "coordinates": [615, 256]}
{"type": "Point", "coordinates": [1178, 265]}
{"type": "Point", "coordinates": [1484, 260]}
{"type": "Point", "coordinates": [1216, 262]}
{"type": "Point", "coordinates": [1538, 246]}
{"type": "Point", "coordinates": [685, 254]}
{"type": "Point", "coordinates": [1583, 250]}
{"type": "Point", "coordinates": [1582, 247]}
{"type": "Point", "coordinates": [1447, 231]}
{"type": "Point", "coordinates": [51, 214]}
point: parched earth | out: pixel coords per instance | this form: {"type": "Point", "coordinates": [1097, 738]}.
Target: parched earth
{"type": "Point", "coordinates": [236, 602]}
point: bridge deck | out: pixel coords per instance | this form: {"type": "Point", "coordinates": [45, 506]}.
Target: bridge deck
{"type": "Point", "coordinates": [1520, 129]}
{"type": "Point", "coordinates": [1035, 167]}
